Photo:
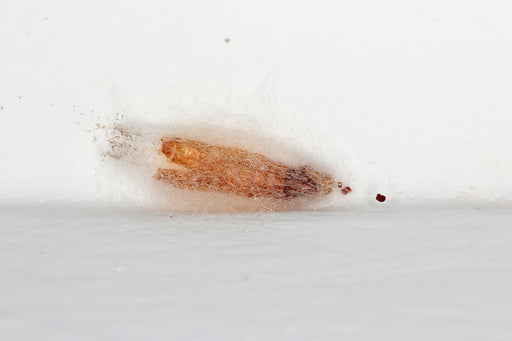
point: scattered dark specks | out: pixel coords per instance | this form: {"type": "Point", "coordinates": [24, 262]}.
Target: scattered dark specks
{"type": "Point", "coordinates": [380, 197]}
{"type": "Point", "coordinates": [227, 40]}
{"type": "Point", "coordinates": [346, 190]}
{"type": "Point", "coordinates": [20, 97]}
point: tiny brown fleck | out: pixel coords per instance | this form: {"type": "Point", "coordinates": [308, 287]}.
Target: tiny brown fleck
{"type": "Point", "coordinates": [346, 190]}
{"type": "Point", "coordinates": [380, 197]}
{"type": "Point", "coordinates": [227, 40]}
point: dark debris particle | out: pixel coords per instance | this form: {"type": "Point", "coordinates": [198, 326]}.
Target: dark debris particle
{"type": "Point", "coordinates": [227, 40]}
{"type": "Point", "coordinates": [380, 197]}
{"type": "Point", "coordinates": [346, 190]}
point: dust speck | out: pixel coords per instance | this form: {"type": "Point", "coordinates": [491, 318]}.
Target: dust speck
{"type": "Point", "coordinates": [227, 40]}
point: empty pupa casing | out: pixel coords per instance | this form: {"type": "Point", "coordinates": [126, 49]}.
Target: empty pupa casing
{"type": "Point", "coordinates": [203, 166]}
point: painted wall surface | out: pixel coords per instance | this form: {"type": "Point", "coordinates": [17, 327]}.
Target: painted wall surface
{"type": "Point", "coordinates": [411, 99]}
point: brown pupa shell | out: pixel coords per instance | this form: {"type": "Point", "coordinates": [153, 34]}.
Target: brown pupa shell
{"type": "Point", "coordinates": [203, 166]}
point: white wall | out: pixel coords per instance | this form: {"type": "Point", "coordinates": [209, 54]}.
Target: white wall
{"type": "Point", "coordinates": [411, 99]}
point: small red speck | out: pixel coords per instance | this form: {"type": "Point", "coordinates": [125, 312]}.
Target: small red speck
{"type": "Point", "coordinates": [346, 190]}
{"type": "Point", "coordinates": [380, 197]}
{"type": "Point", "coordinates": [340, 184]}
